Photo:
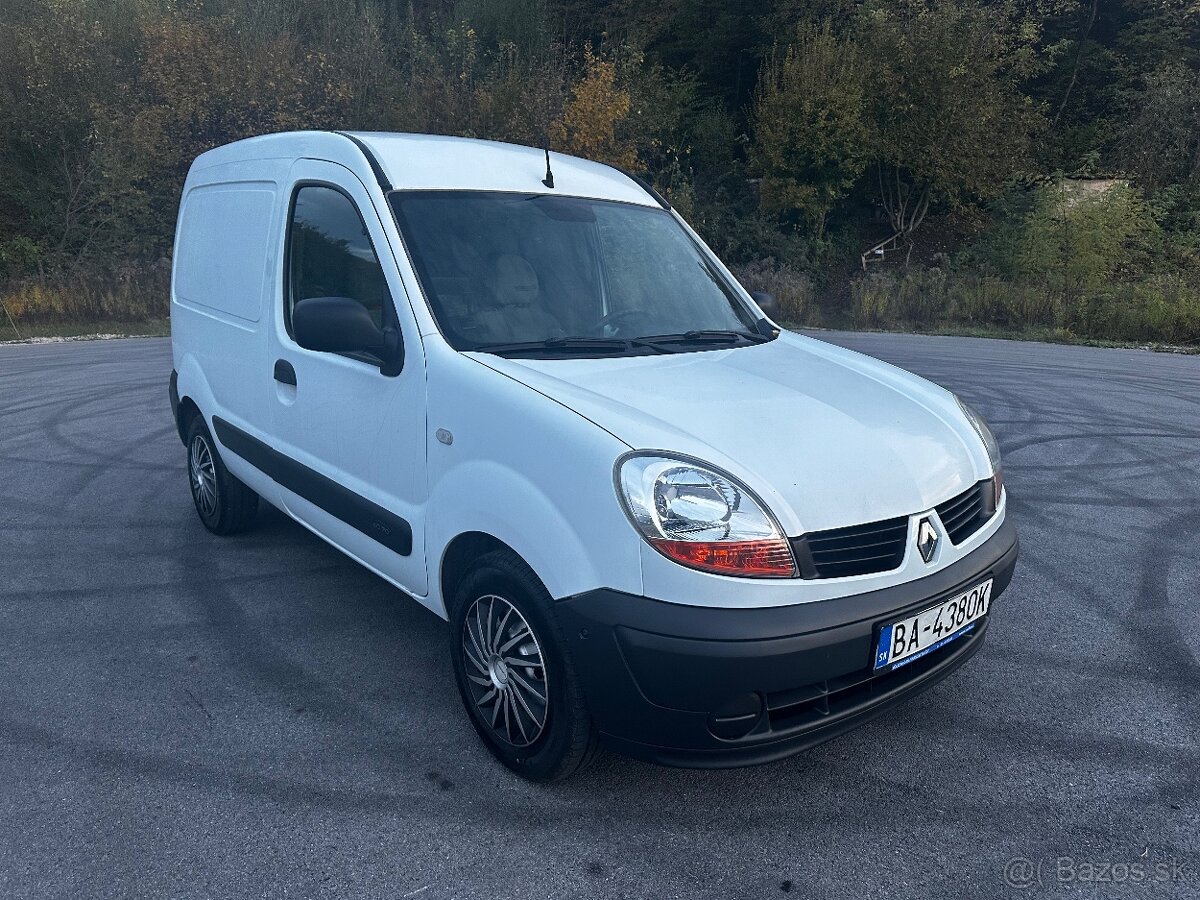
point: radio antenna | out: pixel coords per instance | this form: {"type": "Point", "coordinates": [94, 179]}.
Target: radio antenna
{"type": "Point", "coordinates": [548, 181]}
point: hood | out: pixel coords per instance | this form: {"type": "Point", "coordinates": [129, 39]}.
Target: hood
{"type": "Point", "coordinates": [827, 437]}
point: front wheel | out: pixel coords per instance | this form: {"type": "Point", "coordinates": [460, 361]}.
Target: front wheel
{"type": "Point", "coordinates": [516, 682]}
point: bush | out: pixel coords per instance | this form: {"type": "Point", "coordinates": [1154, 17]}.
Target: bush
{"type": "Point", "coordinates": [1164, 308]}
{"type": "Point", "coordinates": [1072, 236]}
{"type": "Point", "coordinates": [791, 287]}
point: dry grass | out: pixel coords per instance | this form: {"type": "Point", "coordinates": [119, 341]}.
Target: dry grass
{"type": "Point", "coordinates": [134, 295]}
{"type": "Point", "coordinates": [792, 288]}
{"type": "Point", "coordinates": [1157, 308]}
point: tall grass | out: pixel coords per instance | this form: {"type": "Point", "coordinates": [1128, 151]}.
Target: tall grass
{"type": "Point", "coordinates": [1157, 308]}
{"type": "Point", "coordinates": [131, 295]}
{"type": "Point", "coordinates": [791, 287]}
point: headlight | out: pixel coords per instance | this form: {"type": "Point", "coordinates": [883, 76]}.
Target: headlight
{"type": "Point", "coordinates": [989, 441]}
{"type": "Point", "coordinates": [702, 518]}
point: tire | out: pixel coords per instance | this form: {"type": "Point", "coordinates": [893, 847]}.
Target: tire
{"type": "Point", "coordinates": [224, 504]}
{"type": "Point", "coordinates": [493, 605]}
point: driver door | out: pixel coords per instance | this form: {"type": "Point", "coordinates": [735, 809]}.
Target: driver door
{"type": "Point", "coordinates": [351, 438]}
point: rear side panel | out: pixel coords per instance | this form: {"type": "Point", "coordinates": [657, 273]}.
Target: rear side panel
{"type": "Point", "coordinates": [226, 252]}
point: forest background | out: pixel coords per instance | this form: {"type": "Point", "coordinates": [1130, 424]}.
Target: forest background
{"type": "Point", "coordinates": [1025, 167]}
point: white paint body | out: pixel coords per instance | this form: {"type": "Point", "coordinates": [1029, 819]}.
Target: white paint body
{"type": "Point", "coordinates": [826, 437]}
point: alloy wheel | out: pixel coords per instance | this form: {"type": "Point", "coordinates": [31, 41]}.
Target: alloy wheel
{"type": "Point", "coordinates": [505, 670]}
{"type": "Point", "coordinates": [203, 475]}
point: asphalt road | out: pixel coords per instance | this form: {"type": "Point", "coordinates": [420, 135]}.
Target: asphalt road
{"type": "Point", "coordinates": [184, 715]}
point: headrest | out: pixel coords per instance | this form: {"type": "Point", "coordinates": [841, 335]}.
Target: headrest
{"type": "Point", "coordinates": [513, 280]}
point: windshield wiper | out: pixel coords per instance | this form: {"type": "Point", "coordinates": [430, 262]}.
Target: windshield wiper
{"type": "Point", "coordinates": [568, 345]}
{"type": "Point", "coordinates": [557, 345]}
{"type": "Point", "coordinates": [657, 343]}
{"type": "Point", "coordinates": [710, 336]}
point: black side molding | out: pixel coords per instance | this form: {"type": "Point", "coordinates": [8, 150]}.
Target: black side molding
{"type": "Point", "coordinates": [357, 511]}
{"type": "Point", "coordinates": [376, 168]}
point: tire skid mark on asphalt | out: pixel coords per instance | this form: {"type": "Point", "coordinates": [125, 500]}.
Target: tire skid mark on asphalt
{"type": "Point", "coordinates": [10, 505]}
{"type": "Point", "coordinates": [1188, 371]}
{"type": "Point", "coordinates": [191, 774]}
{"type": "Point", "coordinates": [1127, 468]}
{"type": "Point", "coordinates": [1159, 636]}
{"type": "Point", "coordinates": [15, 436]}
{"type": "Point", "coordinates": [58, 394]}
{"type": "Point", "coordinates": [1075, 746]}
{"type": "Point", "coordinates": [151, 525]}
{"type": "Point", "coordinates": [113, 455]}
{"type": "Point", "coordinates": [258, 657]}
{"type": "Point", "coordinates": [1148, 462]}
{"type": "Point", "coordinates": [89, 466]}
{"type": "Point", "coordinates": [1115, 753]}
{"type": "Point", "coordinates": [1072, 586]}
{"type": "Point", "coordinates": [149, 635]}
{"type": "Point", "coordinates": [1150, 503]}
{"type": "Point", "coordinates": [95, 463]}
{"type": "Point", "coordinates": [134, 587]}
{"type": "Point", "coordinates": [1042, 440]}
{"type": "Point", "coordinates": [1031, 659]}
{"type": "Point", "coordinates": [1073, 755]}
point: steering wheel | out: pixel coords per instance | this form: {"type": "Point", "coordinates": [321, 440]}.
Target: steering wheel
{"type": "Point", "coordinates": [615, 319]}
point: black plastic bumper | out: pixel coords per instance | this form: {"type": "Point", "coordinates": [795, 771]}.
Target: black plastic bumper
{"type": "Point", "coordinates": [706, 687]}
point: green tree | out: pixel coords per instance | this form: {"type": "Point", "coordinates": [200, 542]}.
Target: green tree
{"type": "Point", "coordinates": [1072, 237]}
{"type": "Point", "coordinates": [1162, 141]}
{"type": "Point", "coordinates": [1077, 240]}
{"type": "Point", "coordinates": [813, 137]}
{"type": "Point", "coordinates": [60, 198]}
{"type": "Point", "coordinates": [953, 124]}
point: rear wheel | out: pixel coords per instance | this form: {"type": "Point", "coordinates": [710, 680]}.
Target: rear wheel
{"type": "Point", "coordinates": [516, 682]}
{"type": "Point", "coordinates": [224, 504]}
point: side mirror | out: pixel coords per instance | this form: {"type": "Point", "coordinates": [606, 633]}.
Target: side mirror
{"type": "Point", "coordinates": [342, 325]}
{"type": "Point", "coordinates": [766, 302]}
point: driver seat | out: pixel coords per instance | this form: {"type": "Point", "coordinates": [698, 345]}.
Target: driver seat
{"type": "Point", "coordinates": [518, 314]}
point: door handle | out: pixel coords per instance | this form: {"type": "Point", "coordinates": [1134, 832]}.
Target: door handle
{"type": "Point", "coordinates": [284, 373]}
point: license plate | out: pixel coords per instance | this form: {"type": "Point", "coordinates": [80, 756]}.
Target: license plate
{"type": "Point", "coordinates": [909, 639]}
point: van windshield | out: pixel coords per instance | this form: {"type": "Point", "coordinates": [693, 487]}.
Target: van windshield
{"type": "Point", "coordinates": [544, 276]}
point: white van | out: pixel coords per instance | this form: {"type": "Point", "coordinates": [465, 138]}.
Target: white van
{"type": "Point", "coordinates": [518, 386]}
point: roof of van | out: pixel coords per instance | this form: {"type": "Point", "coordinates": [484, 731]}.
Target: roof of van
{"type": "Point", "coordinates": [437, 162]}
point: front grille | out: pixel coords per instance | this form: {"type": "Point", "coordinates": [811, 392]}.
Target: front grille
{"type": "Point", "coordinates": [965, 514]}
{"type": "Point", "coordinates": [856, 550]}
{"type": "Point", "coordinates": [879, 546]}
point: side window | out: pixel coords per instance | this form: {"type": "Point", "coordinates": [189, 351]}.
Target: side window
{"type": "Point", "coordinates": [331, 255]}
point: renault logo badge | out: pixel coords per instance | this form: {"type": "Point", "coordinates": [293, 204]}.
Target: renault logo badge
{"type": "Point", "coordinates": [927, 539]}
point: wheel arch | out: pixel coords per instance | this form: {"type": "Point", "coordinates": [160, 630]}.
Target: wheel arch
{"type": "Point", "coordinates": [485, 504]}
{"type": "Point", "coordinates": [186, 411]}
{"type": "Point", "coordinates": [194, 393]}
{"type": "Point", "coordinates": [462, 550]}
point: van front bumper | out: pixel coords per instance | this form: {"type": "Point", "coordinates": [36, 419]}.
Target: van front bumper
{"type": "Point", "coordinates": [715, 687]}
